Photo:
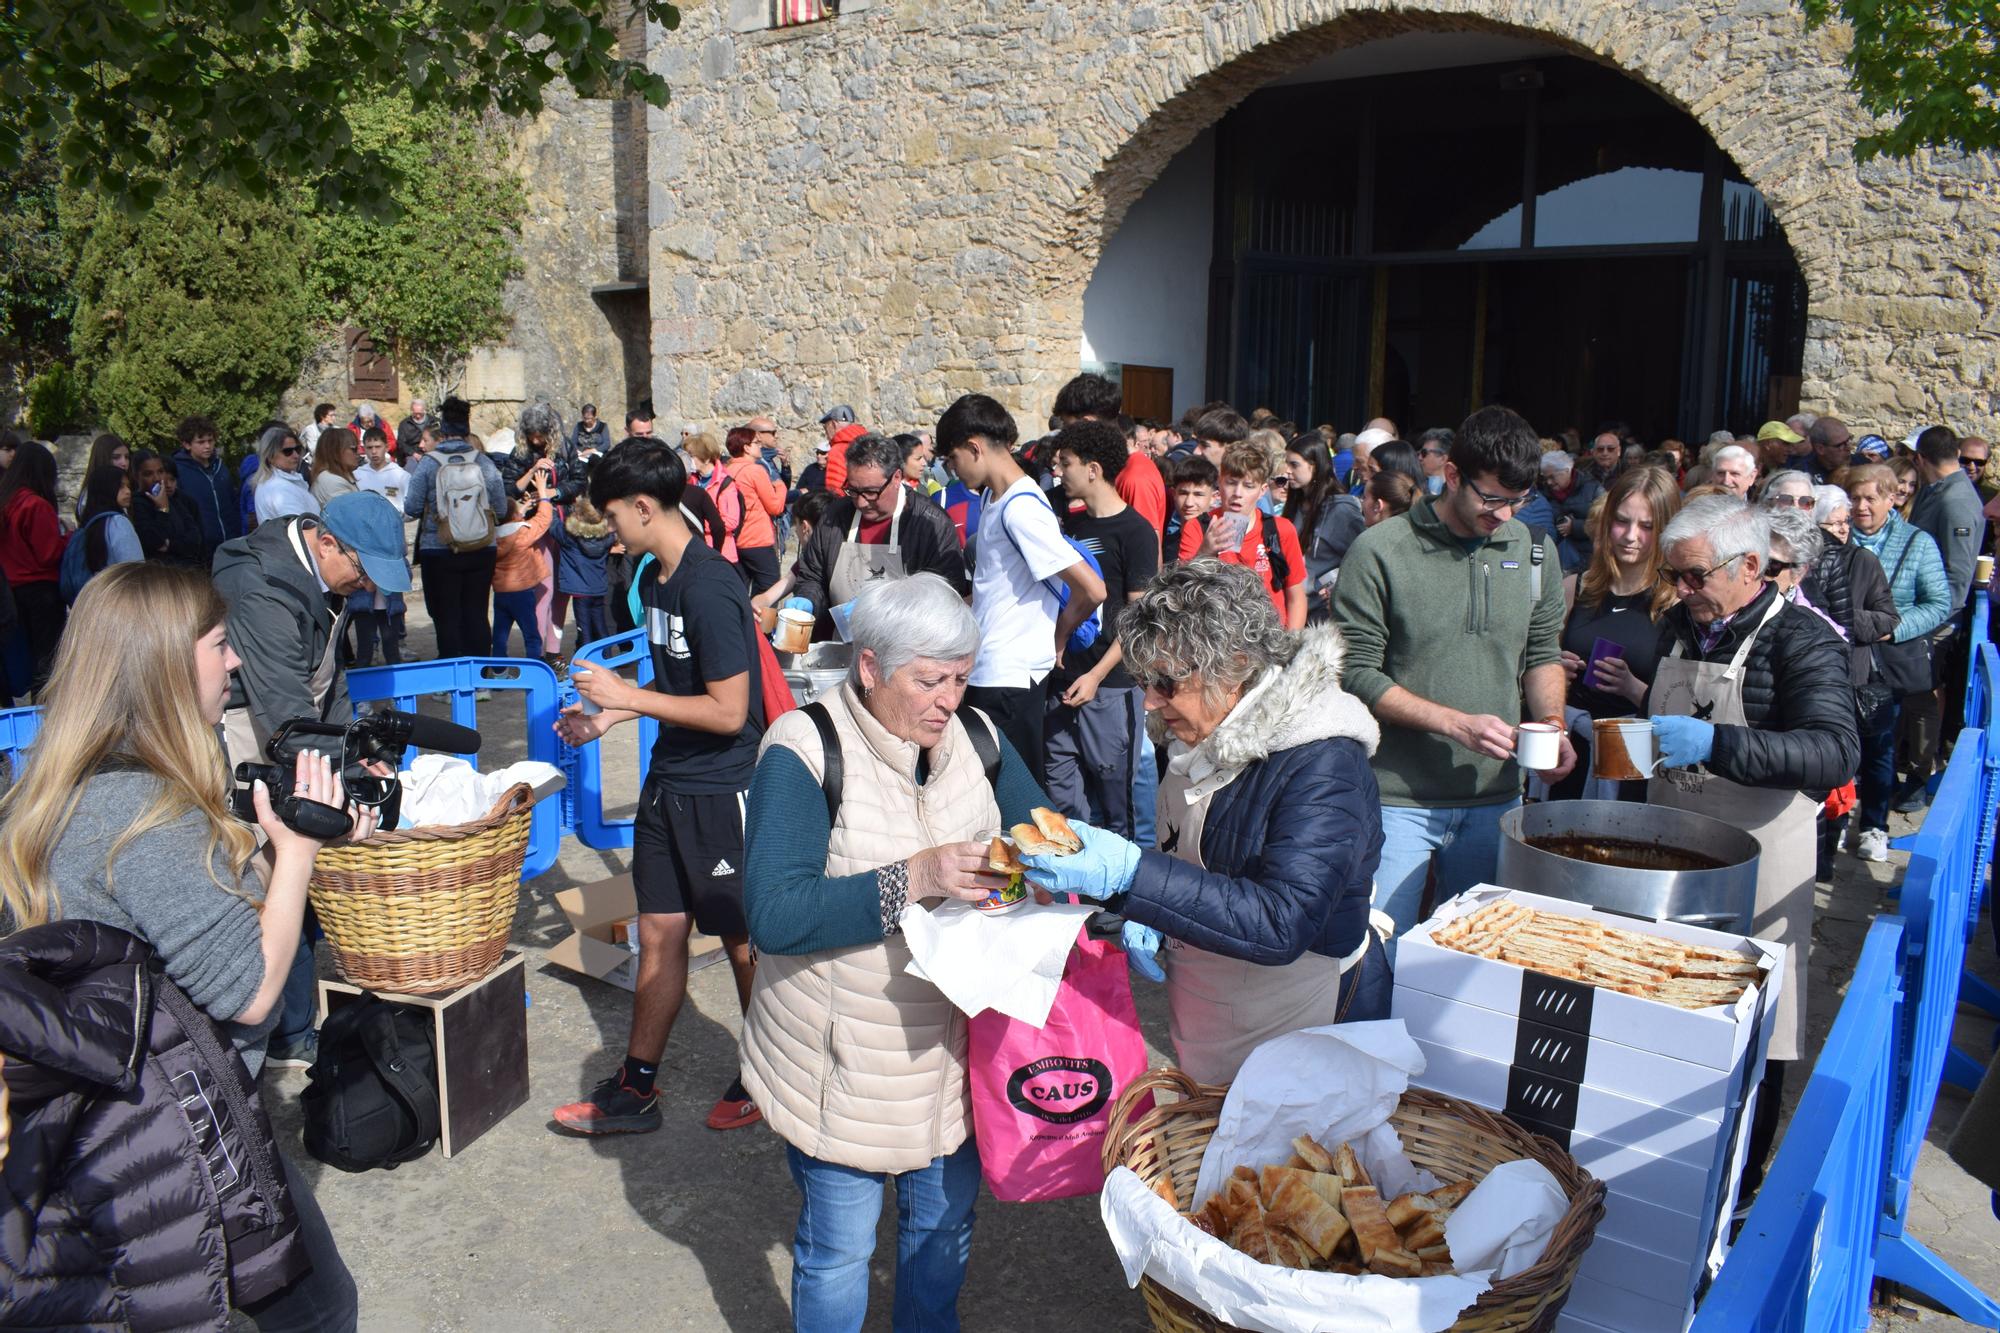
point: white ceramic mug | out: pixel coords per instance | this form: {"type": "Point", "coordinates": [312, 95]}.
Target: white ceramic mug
{"type": "Point", "coordinates": [795, 631]}
{"type": "Point", "coordinates": [1537, 745]}
{"type": "Point", "coordinates": [1634, 735]}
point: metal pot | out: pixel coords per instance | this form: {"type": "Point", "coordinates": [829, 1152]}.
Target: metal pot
{"type": "Point", "coordinates": [817, 670]}
{"type": "Point", "coordinates": [1719, 899]}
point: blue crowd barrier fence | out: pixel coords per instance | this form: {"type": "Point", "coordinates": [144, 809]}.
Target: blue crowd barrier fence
{"type": "Point", "coordinates": [459, 679]}
{"type": "Point", "coordinates": [593, 828]}
{"type": "Point", "coordinates": [1805, 1258]}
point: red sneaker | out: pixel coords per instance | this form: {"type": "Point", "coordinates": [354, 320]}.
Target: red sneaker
{"type": "Point", "coordinates": [735, 1110]}
{"type": "Point", "coordinates": [611, 1108]}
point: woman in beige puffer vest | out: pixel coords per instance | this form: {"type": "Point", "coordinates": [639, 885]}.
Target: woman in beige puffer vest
{"type": "Point", "coordinates": [859, 1066]}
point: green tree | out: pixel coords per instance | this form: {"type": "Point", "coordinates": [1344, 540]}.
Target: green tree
{"type": "Point", "coordinates": [35, 297]}
{"type": "Point", "coordinates": [1931, 68]}
{"type": "Point", "coordinates": [429, 281]}
{"type": "Point", "coordinates": [256, 93]}
{"type": "Point", "coordinates": [199, 306]}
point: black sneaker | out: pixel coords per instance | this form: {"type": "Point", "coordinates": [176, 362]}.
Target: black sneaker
{"type": "Point", "coordinates": [297, 1054]}
{"type": "Point", "coordinates": [1911, 797]}
{"type": "Point", "coordinates": [612, 1108]}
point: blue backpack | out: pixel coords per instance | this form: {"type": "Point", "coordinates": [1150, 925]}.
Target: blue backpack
{"type": "Point", "coordinates": [75, 570]}
{"type": "Point", "coordinates": [1086, 633]}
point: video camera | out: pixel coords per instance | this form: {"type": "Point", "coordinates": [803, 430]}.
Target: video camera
{"type": "Point", "coordinates": [378, 737]}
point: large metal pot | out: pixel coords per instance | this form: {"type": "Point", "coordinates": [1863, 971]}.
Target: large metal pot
{"type": "Point", "coordinates": [817, 670]}
{"type": "Point", "coordinates": [1720, 899]}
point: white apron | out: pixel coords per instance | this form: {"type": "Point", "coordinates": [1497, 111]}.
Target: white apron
{"type": "Point", "coordinates": [856, 564]}
{"type": "Point", "coordinates": [1782, 820]}
{"type": "Point", "coordinates": [242, 737]}
{"type": "Point", "coordinates": [1221, 1009]}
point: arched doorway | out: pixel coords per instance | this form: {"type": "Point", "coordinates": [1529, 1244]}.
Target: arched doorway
{"type": "Point", "coordinates": [1418, 224]}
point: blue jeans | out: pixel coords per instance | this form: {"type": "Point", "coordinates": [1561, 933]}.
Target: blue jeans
{"type": "Point", "coordinates": [591, 622]}
{"type": "Point", "coordinates": [298, 1001]}
{"type": "Point", "coordinates": [836, 1238]}
{"type": "Point", "coordinates": [1146, 792]}
{"type": "Point", "coordinates": [1876, 782]}
{"type": "Point", "coordinates": [511, 609]}
{"type": "Point", "coordinates": [1466, 839]}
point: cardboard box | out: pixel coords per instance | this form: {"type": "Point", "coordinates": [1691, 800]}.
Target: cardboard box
{"type": "Point", "coordinates": [1717, 1037]}
{"type": "Point", "coordinates": [1642, 1271]}
{"type": "Point", "coordinates": [598, 915]}
{"type": "Point", "coordinates": [1593, 1306]}
{"type": "Point", "coordinates": [1697, 1091]}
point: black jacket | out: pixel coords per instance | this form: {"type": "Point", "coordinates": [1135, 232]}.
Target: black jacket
{"type": "Point", "coordinates": [1291, 844]}
{"type": "Point", "coordinates": [279, 624]}
{"type": "Point", "coordinates": [570, 473]}
{"type": "Point", "coordinates": [1576, 548]}
{"type": "Point", "coordinates": [1798, 699]}
{"type": "Point", "coordinates": [929, 542]}
{"type": "Point", "coordinates": [142, 1188]}
{"type": "Point", "coordinates": [1850, 585]}
{"type": "Point", "coordinates": [172, 535]}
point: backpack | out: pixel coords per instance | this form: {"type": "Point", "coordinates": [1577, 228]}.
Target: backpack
{"type": "Point", "coordinates": [372, 1096]}
{"type": "Point", "coordinates": [1086, 633]}
{"type": "Point", "coordinates": [464, 519]}
{"type": "Point", "coordinates": [985, 743]}
{"type": "Point", "coordinates": [75, 570]}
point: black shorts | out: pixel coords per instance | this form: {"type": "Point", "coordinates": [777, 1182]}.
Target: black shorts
{"type": "Point", "coordinates": [687, 856]}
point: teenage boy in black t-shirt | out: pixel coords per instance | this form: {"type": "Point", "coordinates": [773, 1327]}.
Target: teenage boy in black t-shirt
{"type": "Point", "coordinates": [1095, 708]}
{"type": "Point", "coordinates": [687, 841]}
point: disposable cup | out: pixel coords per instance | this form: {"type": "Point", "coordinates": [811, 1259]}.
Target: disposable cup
{"type": "Point", "coordinates": [1982, 569]}
{"type": "Point", "coordinates": [1537, 745]}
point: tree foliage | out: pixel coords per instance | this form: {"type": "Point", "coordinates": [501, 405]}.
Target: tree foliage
{"type": "Point", "coordinates": [1929, 67]}
{"type": "Point", "coordinates": [35, 298]}
{"type": "Point", "coordinates": [429, 281]}
{"type": "Point", "coordinates": [199, 306]}
{"type": "Point", "coordinates": [255, 94]}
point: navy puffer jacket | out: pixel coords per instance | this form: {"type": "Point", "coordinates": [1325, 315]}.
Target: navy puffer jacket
{"type": "Point", "coordinates": [1291, 843]}
{"type": "Point", "coordinates": [142, 1188]}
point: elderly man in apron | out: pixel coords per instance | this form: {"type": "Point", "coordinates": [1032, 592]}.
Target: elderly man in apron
{"type": "Point", "coordinates": [1753, 712]}
{"type": "Point", "coordinates": [881, 529]}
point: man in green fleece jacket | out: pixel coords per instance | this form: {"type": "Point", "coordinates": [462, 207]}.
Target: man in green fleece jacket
{"type": "Point", "coordinates": [1453, 617]}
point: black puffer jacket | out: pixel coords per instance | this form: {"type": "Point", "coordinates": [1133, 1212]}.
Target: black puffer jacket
{"type": "Point", "coordinates": [1849, 584]}
{"type": "Point", "coordinates": [1797, 698]}
{"type": "Point", "coordinates": [142, 1188]}
{"type": "Point", "coordinates": [929, 546]}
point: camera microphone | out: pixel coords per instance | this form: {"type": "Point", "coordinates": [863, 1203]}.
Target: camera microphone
{"type": "Point", "coordinates": [431, 733]}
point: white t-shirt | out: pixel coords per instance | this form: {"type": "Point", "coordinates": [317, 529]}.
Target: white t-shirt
{"type": "Point", "coordinates": [389, 480]}
{"type": "Point", "coordinates": [1015, 609]}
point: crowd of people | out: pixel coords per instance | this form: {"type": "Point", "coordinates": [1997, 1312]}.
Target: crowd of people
{"type": "Point", "coordinates": [1275, 676]}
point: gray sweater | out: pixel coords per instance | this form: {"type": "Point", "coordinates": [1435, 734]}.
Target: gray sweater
{"type": "Point", "coordinates": [209, 940]}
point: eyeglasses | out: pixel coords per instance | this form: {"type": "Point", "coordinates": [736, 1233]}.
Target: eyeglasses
{"type": "Point", "coordinates": [1494, 503]}
{"type": "Point", "coordinates": [1432, 451]}
{"type": "Point", "coordinates": [1794, 501]}
{"type": "Point", "coordinates": [1694, 578]}
{"type": "Point", "coordinates": [1168, 687]}
{"type": "Point", "coordinates": [869, 492]}
{"type": "Point", "coordinates": [354, 559]}
{"type": "Point", "coordinates": [772, 431]}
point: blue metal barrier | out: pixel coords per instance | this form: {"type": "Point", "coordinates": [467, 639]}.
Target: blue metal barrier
{"type": "Point", "coordinates": [17, 732]}
{"type": "Point", "coordinates": [593, 829]}
{"type": "Point", "coordinates": [1806, 1257]}
{"type": "Point", "coordinates": [460, 679]}
{"type": "Point", "coordinates": [1937, 886]}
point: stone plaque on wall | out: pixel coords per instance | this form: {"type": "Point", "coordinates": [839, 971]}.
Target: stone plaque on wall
{"type": "Point", "coordinates": [496, 374]}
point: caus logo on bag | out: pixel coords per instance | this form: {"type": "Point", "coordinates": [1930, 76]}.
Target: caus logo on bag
{"type": "Point", "coordinates": [1060, 1089]}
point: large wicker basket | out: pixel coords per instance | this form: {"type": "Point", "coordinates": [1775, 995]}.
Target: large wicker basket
{"type": "Point", "coordinates": [1454, 1139]}
{"type": "Point", "coordinates": [422, 910]}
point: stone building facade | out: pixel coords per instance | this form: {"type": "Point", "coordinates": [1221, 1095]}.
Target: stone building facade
{"type": "Point", "coordinates": [905, 202]}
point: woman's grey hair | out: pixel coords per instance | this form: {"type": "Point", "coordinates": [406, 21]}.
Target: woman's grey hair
{"type": "Point", "coordinates": [1557, 460]}
{"type": "Point", "coordinates": [1827, 501]}
{"type": "Point", "coordinates": [1718, 438]}
{"type": "Point", "coordinates": [900, 620]}
{"type": "Point", "coordinates": [1732, 528]}
{"type": "Point", "coordinates": [875, 451]}
{"type": "Point", "coordinates": [540, 419]}
{"type": "Point", "coordinates": [1785, 479]}
{"type": "Point", "coordinates": [1204, 618]}
{"type": "Point", "coordinates": [1799, 535]}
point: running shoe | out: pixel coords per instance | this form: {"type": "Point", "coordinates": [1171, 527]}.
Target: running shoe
{"type": "Point", "coordinates": [296, 1054]}
{"type": "Point", "coordinates": [735, 1110]}
{"type": "Point", "coordinates": [612, 1108]}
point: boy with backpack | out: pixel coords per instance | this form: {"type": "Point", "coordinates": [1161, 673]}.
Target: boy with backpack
{"type": "Point", "coordinates": [1031, 588]}
{"type": "Point", "coordinates": [687, 840]}
{"type": "Point", "coordinates": [1193, 481]}
{"type": "Point", "coordinates": [457, 492]}
{"type": "Point", "coordinates": [1239, 533]}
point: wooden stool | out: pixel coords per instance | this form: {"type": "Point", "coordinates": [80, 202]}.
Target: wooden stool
{"type": "Point", "coordinates": [480, 1033]}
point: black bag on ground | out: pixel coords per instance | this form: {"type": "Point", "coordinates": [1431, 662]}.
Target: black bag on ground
{"type": "Point", "coordinates": [372, 1097]}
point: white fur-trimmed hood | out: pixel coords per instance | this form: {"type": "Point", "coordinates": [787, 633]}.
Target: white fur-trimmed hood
{"type": "Point", "coordinates": [1291, 705]}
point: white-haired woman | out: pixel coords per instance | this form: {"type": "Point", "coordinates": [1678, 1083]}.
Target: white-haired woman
{"type": "Point", "coordinates": [1270, 824]}
{"type": "Point", "coordinates": [279, 485]}
{"type": "Point", "coordinates": [865, 803]}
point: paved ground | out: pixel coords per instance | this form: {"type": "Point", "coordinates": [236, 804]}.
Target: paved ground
{"type": "Point", "coordinates": [690, 1229]}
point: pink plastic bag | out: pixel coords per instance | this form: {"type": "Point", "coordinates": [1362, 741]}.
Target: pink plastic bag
{"type": "Point", "coordinates": [1041, 1097]}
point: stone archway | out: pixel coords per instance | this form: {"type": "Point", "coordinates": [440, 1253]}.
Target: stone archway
{"type": "Point", "coordinates": [903, 205]}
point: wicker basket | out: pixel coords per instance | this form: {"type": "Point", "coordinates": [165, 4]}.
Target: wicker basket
{"type": "Point", "coordinates": [421, 910]}
{"type": "Point", "coordinates": [1455, 1140]}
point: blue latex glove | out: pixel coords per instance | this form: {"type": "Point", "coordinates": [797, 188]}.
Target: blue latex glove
{"type": "Point", "coordinates": [1683, 742]}
{"type": "Point", "coordinates": [796, 604]}
{"type": "Point", "coordinates": [1104, 867]}
{"type": "Point", "coordinates": [1142, 950]}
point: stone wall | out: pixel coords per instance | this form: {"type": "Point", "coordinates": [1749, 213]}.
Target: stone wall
{"type": "Point", "coordinates": [901, 205]}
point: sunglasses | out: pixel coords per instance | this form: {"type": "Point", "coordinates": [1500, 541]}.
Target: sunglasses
{"type": "Point", "coordinates": [1694, 578]}
{"type": "Point", "coordinates": [1794, 501]}
{"type": "Point", "coordinates": [289, 451]}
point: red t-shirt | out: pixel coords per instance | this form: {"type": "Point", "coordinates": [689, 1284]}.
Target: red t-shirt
{"type": "Point", "coordinates": [1140, 485]}
{"type": "Point", "coordinates": [1252, 555]}
{"type": "Point", "coordinates": [873, 534]}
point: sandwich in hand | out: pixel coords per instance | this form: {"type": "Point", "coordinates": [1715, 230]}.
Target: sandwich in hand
{"type": "Point", "coordinates": [1049, 835]}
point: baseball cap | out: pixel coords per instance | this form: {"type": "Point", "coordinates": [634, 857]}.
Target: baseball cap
{"type": "Point", "coordinates": [1778, 430]}
{"type": "Point", "coordinates": [370, 526]}
{"type": "Point", "coordinates": [1371, 438]}
{"type": "Point", "coordinates": [1910, 440]}
{"type": "Point", "coordinates": [1874, 446]}
{"type": "Point", "coordinates": [822, 446]}
{"type": "Point", "coordinates": [843, 414]}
